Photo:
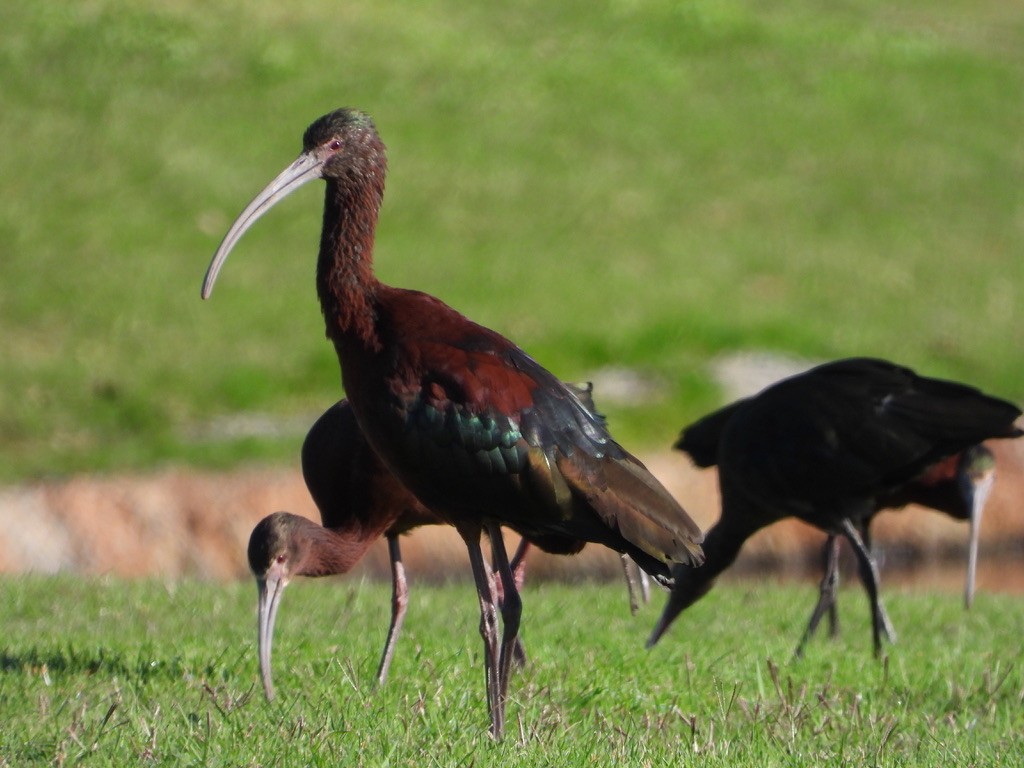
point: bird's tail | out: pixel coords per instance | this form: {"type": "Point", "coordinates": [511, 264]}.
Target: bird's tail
{"type": "Point", "coordinates": [700, 440]}
{"type": "Point", "coordinates": [628, 498]}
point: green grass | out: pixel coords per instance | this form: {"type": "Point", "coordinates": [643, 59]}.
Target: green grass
{"type": "Point", "coordinates": [642, 184]}
{"type": "Point", "coordinates": [105, 672]}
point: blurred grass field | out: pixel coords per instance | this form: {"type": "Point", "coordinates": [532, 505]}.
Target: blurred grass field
{"type": "Point", "coordinates": [638, 184]}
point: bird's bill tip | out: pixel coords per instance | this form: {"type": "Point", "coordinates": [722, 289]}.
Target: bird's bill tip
{"type": "Point", "coordinates": [659, 629]}
{"type": "Point", "coordinates": [307, 167]}
{"type": "Point", "coordinates": [270, 590]}
{"type": "Point", "coordinates": [268, 690]}
{"type": "Point", "coordinates": [653, 639]}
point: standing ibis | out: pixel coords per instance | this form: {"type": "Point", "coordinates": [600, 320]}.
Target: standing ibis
{"type": "Point", "coordinates": [477, 430]}
{"type": "Point", "coordinates": [831, 447]}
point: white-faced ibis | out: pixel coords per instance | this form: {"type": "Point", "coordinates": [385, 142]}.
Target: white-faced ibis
{"type": "Point", "coordinates": [359, 501]}
{"type": "Point", "coordinates": [475, 428]}
{"type": "Point", "coordinates": [831, 447]}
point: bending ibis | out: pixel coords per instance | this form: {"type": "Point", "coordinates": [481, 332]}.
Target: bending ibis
{"type": "Point", "coordinates": [359, 501]}
{"type": "Point", "coordinates": [831, 447]}
{"type": "Point", "coordinates": [466, 420]}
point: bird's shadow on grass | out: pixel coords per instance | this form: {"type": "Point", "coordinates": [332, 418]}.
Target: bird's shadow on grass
{"type": "Point", "coordinates": [74, 661]}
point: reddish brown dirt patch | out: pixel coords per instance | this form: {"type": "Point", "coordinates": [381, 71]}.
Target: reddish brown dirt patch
{"type": "Point", "coordinates": [178, 522]}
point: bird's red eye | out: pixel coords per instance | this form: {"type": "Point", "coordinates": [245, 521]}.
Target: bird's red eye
{"type": "Point", "coordinates": [334, 146]}
{"type": "Point", "coordinates": [280, 558]}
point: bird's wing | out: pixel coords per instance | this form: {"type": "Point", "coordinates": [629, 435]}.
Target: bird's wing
{"type": "Point", "coordinates": [482, 407]}
{"type": "Point", "coordinates": [860, 425]}
{"type": "Point", "coordinates": [572, 448]}
{"type": "Point", "coordinates": [910, 421]}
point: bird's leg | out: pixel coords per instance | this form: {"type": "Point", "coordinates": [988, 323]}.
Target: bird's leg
{"type": "Point", "coordinates": [488, 625]}
{"type": "Point", "coordinates": [629, 569]}
{"type": "Point", "coordinates": [518, 565]}
{"type": "Point", "coordinates": [511, 609]}
{"type": "Point", "coordinates": [869, 575]}
{"type": "Point", "coordinates": [826, 595]}
{"type": "Point", "coordinates": [887, 628]}
{"type": "Point", "coordinates": [399, 603]}
{"type": "Point", "coordinates": [832, 573]}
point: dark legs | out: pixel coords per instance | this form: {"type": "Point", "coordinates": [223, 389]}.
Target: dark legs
{"type": "Point", "coordinates": [866, 573]}
{"type": "Point", "coordinates": [497, 659]}
{"type": "Point", "coordinates": [826, 596]}
{"type": "Point", "coordinates": [511, 610]}
{"type": "Point", "coordinates": [869, 575]}
{"type": "Point", "coordinates": [484, 580]}
{"type": "Point", "coordinates": [399, 603]}
{"type": "Point", "coordinates": [518, 565]}
{"type": "Point", "coordinates": [637, 583]}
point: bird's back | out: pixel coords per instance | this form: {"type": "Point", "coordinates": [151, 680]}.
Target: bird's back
{"type": "Point", "coordinates": [350, 484]}
{"type": "Point", "coordinates": [849, 430]}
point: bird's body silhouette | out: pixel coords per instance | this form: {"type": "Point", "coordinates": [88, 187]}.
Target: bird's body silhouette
{"type": "Point", "coordinates": [359, 501]}
{"type": "Point", "coordinates": [832, 446]}
{"type": "Point", "coordinates": [477, 430]}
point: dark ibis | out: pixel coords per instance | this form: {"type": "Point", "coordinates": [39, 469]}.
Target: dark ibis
{"type": "Point", "coordinates": [831, 447]}
{"type": "Point", "coordinates": [359, 501]}
{"type": "Point", "coordinates": [476, 429]}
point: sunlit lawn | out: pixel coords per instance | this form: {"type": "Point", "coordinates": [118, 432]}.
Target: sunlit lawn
{"type": "Point", "coordinates": [106, 672]}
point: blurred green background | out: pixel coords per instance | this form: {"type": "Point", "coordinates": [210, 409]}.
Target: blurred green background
{"type": "Point", "coordinates": [638, 184]}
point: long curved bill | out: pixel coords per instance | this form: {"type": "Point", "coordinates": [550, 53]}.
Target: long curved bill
{"type": "Point", "coordinates": [270, 591]}
{"type": "Point", "coordinates": [978, 497]}
{"type": "Point", "coordinates": [306, 168]}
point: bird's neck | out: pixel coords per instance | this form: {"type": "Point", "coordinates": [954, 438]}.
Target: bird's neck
{"type": "Point", "coordinates": [721, 546]}
{"type": "Point", "coordinates": [345, 281]}
{"type": "Point", "coordinates": [333, 552]}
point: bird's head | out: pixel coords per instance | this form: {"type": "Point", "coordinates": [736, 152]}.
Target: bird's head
{"type": "Point", "coordinates": [976, 463]}
{"type": "Point", "coordinates": [976, 475]}
{"type": "Point", "coordinates": [276, 553]}
{"type": "Point", "coordinates": [346, 140]}
{"type": "Point", "coordinates": [276, 550]}
{"type": "Point", "coordinates": [342, 146]}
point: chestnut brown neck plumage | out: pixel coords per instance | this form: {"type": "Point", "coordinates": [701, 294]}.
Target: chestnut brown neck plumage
{"type": "Point", "coordinates": [331, 552]}
{"type": "Point", "coordinates": [311, 549]}
{"type": "Point", "coordinates": [345, 281]}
